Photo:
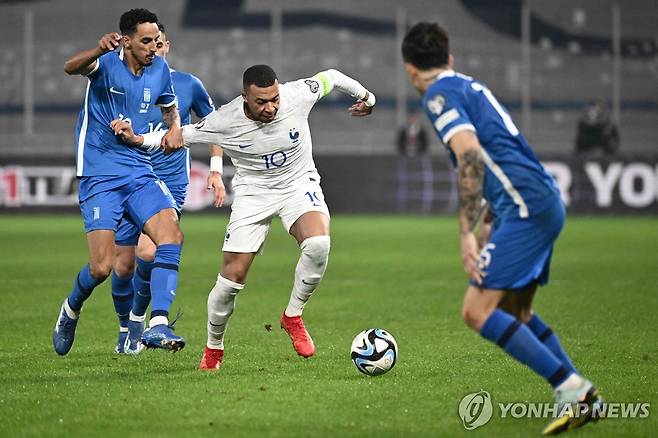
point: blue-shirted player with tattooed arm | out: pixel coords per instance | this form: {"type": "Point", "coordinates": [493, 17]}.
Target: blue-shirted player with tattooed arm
{"type": "Point", "coordinates": [174, 170]}
{"type": "Point", "coordinates": [494, 162]}
{"type": "Point", "coordinates": [117, 181]}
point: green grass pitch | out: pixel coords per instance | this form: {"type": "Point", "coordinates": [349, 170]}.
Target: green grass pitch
{"type": "Point", "coordinates": [399, 273]}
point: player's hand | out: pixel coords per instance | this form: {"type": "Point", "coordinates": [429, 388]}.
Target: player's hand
{"type": "Point", "coordinates": [124, 131]}
{"type": "Point", "coordinates": [471, 257]}
{"type": "Point", "coordinates": [109, 42]}
{"type": "Point", "coordinates": [215, 183]}
{"type": "Point", "coordinates": [172, 140]}
{"type": "Point", "coordinates": [360, 109]}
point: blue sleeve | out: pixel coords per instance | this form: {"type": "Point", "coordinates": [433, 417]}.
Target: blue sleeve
{"type": "Point", "coordinates": [101, 66]}
{"type": "Point", "coordinates": [446, 109]}
{"type": "Point", "coordinates": [201, 102]}
{"type": "Point", "coordinates": [167, 97]}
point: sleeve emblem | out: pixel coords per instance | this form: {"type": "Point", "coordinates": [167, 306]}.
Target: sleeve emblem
{"type": "Point", "coordinates": [436, 104]}
{"type": "Point", "coordinates": [312, 85]}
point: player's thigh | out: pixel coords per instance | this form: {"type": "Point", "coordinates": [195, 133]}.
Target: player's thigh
{"type": "Point", "coordinates": [479, 304]}
{"type": "Point", "coordinates": [162, 228]}
{"type": "Point", "coordinates": [304, 212]}
{"type": "Point", "coordinates": [249, 223]}
{"type": "Point", "coordinates": [145, 248]}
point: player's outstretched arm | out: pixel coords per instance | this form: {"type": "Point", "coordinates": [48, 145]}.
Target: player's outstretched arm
{"type": "Point", "coordinates": [83, 63]}
{"type": "Point", "coordinates": [215, 176]}
{"type": "Point", "coordinates": [332, 78]}
{"type": "Point", "coordinates": [470, 183]}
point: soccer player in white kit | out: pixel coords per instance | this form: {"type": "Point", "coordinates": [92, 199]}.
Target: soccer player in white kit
{"type": "Point", "coordinates": [265, 132]}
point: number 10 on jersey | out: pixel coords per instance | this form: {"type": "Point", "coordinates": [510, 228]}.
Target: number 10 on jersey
{"type": "Point", "coordinates": [276, 159]}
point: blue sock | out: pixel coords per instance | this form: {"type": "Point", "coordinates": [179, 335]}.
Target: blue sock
{"type": "Point", "coordinates": [520, 343]}
{"type": "Point", "coordinates": [164, 278]}
{"type": "Point", "coordinates": [122, 294]}
{"type": "Point", "coordinates": [550, 339]}
{"type": "Point", "coordinates": [82, 288]}
{"type": "Point", "coordinates": [142, 286]}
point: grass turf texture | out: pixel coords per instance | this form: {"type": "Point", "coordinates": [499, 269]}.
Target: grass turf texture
{"type": "Point", "coordinates": [399, 273]}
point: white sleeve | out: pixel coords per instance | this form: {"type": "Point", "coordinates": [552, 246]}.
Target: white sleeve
{"type": "Point", "coordinates": [330, 79]}
{"type": "Point", "coordinates": [206, 131]}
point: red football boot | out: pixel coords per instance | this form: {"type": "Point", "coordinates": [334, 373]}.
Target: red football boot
{"type": "Point", "coordinates": [301, 340]}
{"type": "Point", "coordinates": [211, 360]}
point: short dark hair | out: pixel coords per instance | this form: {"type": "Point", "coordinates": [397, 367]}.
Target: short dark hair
{"type": "Point", "coordinates": [259, 75]}
{"type": "Point", "coordinates": [426, 46]}
{"type": "Point", "coordinates": [130, 19]}
{"type": "Point", "coordinates": [161, 27]}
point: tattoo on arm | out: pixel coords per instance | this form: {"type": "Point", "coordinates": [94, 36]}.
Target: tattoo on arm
{"type": "Point", "coordinates": [170, 116]}
{"type": "Point", "coordinates": [470, 180]}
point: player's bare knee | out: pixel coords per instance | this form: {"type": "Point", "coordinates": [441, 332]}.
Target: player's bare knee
{"type": "Point", "coordinates": [235, 272]}
{"type": "Point", "coordinates": [146, 252]}
{"type": "Point", "coordinates": [124, 268]}
{"type": "Point", "coordinates": [100, 270]}
{"type": "Point", "coordinates": [317, 249]}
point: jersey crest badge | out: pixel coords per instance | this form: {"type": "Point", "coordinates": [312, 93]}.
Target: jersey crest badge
{"type": "Point", "coordinates": [294, 135]}
{"type": "Point", "coordinates": [313, 85]}
{"type": "Point", "coordinates": [436, 104]}
{"type": "Point", "coordinates": [147, 94]}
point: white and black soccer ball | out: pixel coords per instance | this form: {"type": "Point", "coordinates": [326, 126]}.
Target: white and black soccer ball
{"type": "Point", "coordinates": [374, 352]}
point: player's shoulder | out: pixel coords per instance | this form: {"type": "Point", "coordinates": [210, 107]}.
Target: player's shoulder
{"type": "Point", "coordinates": [303, 85]}
{"type": "Point", "coordinates": [449, 85]}
{"type": "Point", "coordinates": [183, 76]}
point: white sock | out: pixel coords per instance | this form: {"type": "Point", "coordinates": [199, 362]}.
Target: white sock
{"type": "Point", "coordinates": [70, 312]}
{"type": "Point", "coordinates": [136, 318]}
{"type": "Point", "coordinates": [158, 320]}
{"type": "Point", "coordinates": [573, 381]}
{"type": "Point", "coordinates": [221, 302]}
{"type": "Point", "coordinates": [308, 273]}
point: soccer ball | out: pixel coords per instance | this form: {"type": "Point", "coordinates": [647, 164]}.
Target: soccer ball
{"type": "Point", "coordinates": [374, 351]}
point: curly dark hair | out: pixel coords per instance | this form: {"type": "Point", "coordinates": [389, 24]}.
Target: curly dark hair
{"type": "Point", "coordinates": [130, 19]}
{"type": "Point", "coordinates": [426, 46]}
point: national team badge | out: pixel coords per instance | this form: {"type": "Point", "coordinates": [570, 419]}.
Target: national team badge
{"type": "Point", "coordinates": [147, 94]}
{"type": "Point", "coordinates": [294, 135]}
{"type": "Point", "coordinates": [436, 104]}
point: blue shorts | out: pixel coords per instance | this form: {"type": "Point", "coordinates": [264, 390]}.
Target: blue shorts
{"type": "Point", "coordinates": [519, 250]}
{"type": "Point", "coordinates": [128, 233]}
{"type": "Point", "coordinates": [135, 201]}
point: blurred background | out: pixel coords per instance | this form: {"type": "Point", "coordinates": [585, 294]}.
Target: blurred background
{"type": "Point", "coordinates": [580, 79]}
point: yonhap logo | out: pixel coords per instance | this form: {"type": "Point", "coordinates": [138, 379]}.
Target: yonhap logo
{"type": "Point", "coordinates": [475, 409]}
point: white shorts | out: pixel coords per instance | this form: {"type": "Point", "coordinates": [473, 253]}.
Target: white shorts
{"type": "Point", "coordinates": [251, 214]}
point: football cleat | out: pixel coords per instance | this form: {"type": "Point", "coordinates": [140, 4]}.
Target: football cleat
{"type": "Point", "coordinates": [162, 336]}
{"type": "Point", "coordinates": [576, 407]}
{"type": "Point", "coordinates": [301, 340]}
{"type": "Point", "coordinates": [134, 339]}
{"type": "Point", "coordinates": [64, 333]}
{"type": "Point", "coordinates": [211, 360]}
{"type": "Point", "coordinates": [120, 348]}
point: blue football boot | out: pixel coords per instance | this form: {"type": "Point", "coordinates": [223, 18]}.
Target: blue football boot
{"type": "Point", "coordinates": [64, 333]}
{"type": "Point", "coordinates": [162, 336]}
{"type": "Point", "coordinates": [134, 340]}
{"type": "Point", "coordinates": [120, 348]}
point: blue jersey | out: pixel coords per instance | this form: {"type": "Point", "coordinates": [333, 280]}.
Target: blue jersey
{"type": "Point", "coordinates": [174, 168]}
{"type": "Point", "coordinates": [515, 182]}
{"type": "Point", "coordinates": [114, 92]}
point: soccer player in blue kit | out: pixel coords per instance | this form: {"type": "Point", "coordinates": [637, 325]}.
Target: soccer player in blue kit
{"type": "Point", "coordinates": [117, 181]}
{"type": "Point", "coordinates": [174, 170]}
{"type": "Point", "coordinates": [494, 162]}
